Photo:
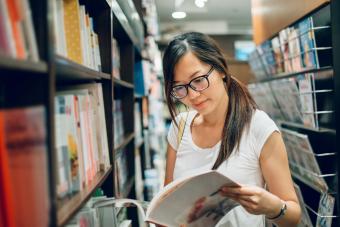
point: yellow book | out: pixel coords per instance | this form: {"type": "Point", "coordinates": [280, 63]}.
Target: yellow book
{"type": "Point", "coordinates": [72, 30]}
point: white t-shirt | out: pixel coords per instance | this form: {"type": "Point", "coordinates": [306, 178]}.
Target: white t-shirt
{"type": "Point", "coordinates": [242, 166]}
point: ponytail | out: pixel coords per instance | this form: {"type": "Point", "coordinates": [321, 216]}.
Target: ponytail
{"type": "Point", "coordinates": [240, 110]}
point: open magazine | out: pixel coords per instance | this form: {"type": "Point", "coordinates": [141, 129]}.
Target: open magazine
{"type": "Point", "coordinates": [192, 201]}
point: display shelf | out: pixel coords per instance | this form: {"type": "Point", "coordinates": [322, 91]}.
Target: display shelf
{"type": "Point", "coordinates": [8, 63]}
{"type": "Point", "coordinates": [69, 70]}
{"type": "Point", "coordinates": [70, 205]}
{"type": "Point", "coordinates": [122, 83]}
{"type": "Point", "coordinates": [288, 75]}
{"type": "Point", "coordinates": [298, 126]}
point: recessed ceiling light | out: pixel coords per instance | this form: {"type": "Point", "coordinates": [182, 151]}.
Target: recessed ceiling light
{"type": "Point", "coordinates": [199, 3]}
{"type": "Point", "coordinates": [179, 15]}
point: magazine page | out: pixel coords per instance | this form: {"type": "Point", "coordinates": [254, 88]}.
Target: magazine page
{"type": "Point", "coordinates": [305, 219]}
{"type": "Point", "coordinates": [325, 212]}
{"type": "Point", "coordinates": [306, 98]}
{"type": "Point", "coordinates": [286, 93]}
{"type": "Point", "coordinates": [196, 202]}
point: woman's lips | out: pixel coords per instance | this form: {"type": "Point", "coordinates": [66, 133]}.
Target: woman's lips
{"type": "Point", "coordinates": [200, 104]}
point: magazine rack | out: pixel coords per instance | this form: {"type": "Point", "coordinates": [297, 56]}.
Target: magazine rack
{"type": "Point", "coordinates": [295, 84]}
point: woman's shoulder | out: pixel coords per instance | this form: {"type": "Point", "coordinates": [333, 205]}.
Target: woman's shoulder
{"type": "Point", "coordinates": [261, 120]}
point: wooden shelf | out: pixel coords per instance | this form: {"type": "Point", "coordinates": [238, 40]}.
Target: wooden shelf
{"type": "Point", "coordinates": [8, 63]}
{"type": "Point", "coordinates": [70, 70]}
{"type": "Point", "coordinates": [128, 138]}
{"type": "Point", "coordinates": [287, 75]}
{"type": "Point", "coordinates": [70, 205]}
{"type": "Point", "coordinates": [121, 83]}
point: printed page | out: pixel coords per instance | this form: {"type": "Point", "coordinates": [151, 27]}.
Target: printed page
{"type": "Point", "coordinates": [196, 202]}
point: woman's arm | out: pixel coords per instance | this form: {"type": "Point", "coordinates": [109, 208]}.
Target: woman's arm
{"type": "Point", "coordinates": [170, 164]}
{"type": "Point", "coordinates": [275, 170]}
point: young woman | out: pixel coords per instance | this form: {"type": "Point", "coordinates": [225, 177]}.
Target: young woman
{"type": "Point", "coordinates": [225, 131]}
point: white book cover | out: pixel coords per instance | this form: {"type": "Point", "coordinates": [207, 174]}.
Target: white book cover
{"type": "Point", "coordinates": [192, 201]}
{"type": "Point", "coordinates": [61, 36]}
{"type": "Point", "coordinates": [83, 35]}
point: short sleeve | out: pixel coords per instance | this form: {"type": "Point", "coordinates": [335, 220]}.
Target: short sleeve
{"type": "Point", "coordinates": [262, 126]}
{"type": "Point", "coordinates": [172, 135]}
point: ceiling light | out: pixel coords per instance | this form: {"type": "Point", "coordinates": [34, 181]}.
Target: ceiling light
{"type": "Point", "coordinates": [200, 3]}
{"type": "Point", "coordinates": [179, 15]}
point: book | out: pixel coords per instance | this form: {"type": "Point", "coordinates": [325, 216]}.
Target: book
{"type": "Point", "coordinates": [6, 195]}
{"type": "Point", "coordinates": [26, 143]}
{"type": "Point", "coordinates": [192, 200]}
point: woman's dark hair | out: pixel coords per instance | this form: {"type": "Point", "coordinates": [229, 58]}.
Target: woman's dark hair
{"type": "Point", "coordinates": [241, 105]}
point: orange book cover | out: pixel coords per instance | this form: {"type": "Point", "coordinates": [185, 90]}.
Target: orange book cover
{"type": "Point", "coordinates": [25, 131]}
{"type": "Point", "coordinates": [15, 20]}
{"type": "Point", "coordinates": [6, 195]}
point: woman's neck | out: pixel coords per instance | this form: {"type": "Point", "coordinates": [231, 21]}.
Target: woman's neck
{"type": "Point", "coordinates": [217, 117]}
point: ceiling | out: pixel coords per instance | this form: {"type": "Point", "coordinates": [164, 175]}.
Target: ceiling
{"type": "Point", "coordinates": [217, 17]}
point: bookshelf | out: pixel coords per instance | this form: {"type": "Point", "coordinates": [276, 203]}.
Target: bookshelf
{"type": "Point", "coordinates": [312, 146]}
{"type": "Point", "coordinates": [26, 83]}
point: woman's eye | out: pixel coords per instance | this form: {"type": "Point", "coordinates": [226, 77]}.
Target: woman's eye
{"type": "Point", "coordinates": [199, 80]}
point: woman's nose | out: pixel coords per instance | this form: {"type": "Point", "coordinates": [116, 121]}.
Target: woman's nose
{"type": "Point", "coordinates": [192, 94]}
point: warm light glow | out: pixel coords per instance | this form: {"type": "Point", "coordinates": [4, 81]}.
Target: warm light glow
{"type": "Point", "coordinates": [179, 15]}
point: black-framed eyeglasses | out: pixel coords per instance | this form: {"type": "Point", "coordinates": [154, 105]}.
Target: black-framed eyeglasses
{"type": "Point", "coordinates": [199, 83]}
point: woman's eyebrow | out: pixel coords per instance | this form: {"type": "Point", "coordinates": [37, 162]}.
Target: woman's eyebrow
{"type": "Point", "coordinates": [190, 77]}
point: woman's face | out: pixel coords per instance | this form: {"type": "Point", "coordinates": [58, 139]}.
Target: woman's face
{"type": "Point", "coordinates": [189, 67]}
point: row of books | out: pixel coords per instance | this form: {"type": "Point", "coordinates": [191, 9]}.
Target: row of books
{"type": "Point", "coordinates": [115, 59]}
{"type": "Point", "coordinates": [17, 34]}
{"type": "Point", "coordinates": [303, 160]}
{"type": "Point", "coordinates": [81, 137]}
{"type": "Point", "coordinates": [24, 197]}
{"type": "Point", "coordinates": [74, 33]}
{"type": "Point", "coordinates": [295, 48]}
{"type": "Point", "coordinates": [118, 122]}
{"type": "Point", "coordinates": [297, 100]}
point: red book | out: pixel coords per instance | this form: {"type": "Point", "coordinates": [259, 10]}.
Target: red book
{"type": "Point", "coordinates": [6, 196]}
{"type": "Point", "coordinates": [25, 132]}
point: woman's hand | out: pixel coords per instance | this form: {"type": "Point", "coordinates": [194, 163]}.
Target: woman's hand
{"type": "Point", "coordinates": [254, 199]}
